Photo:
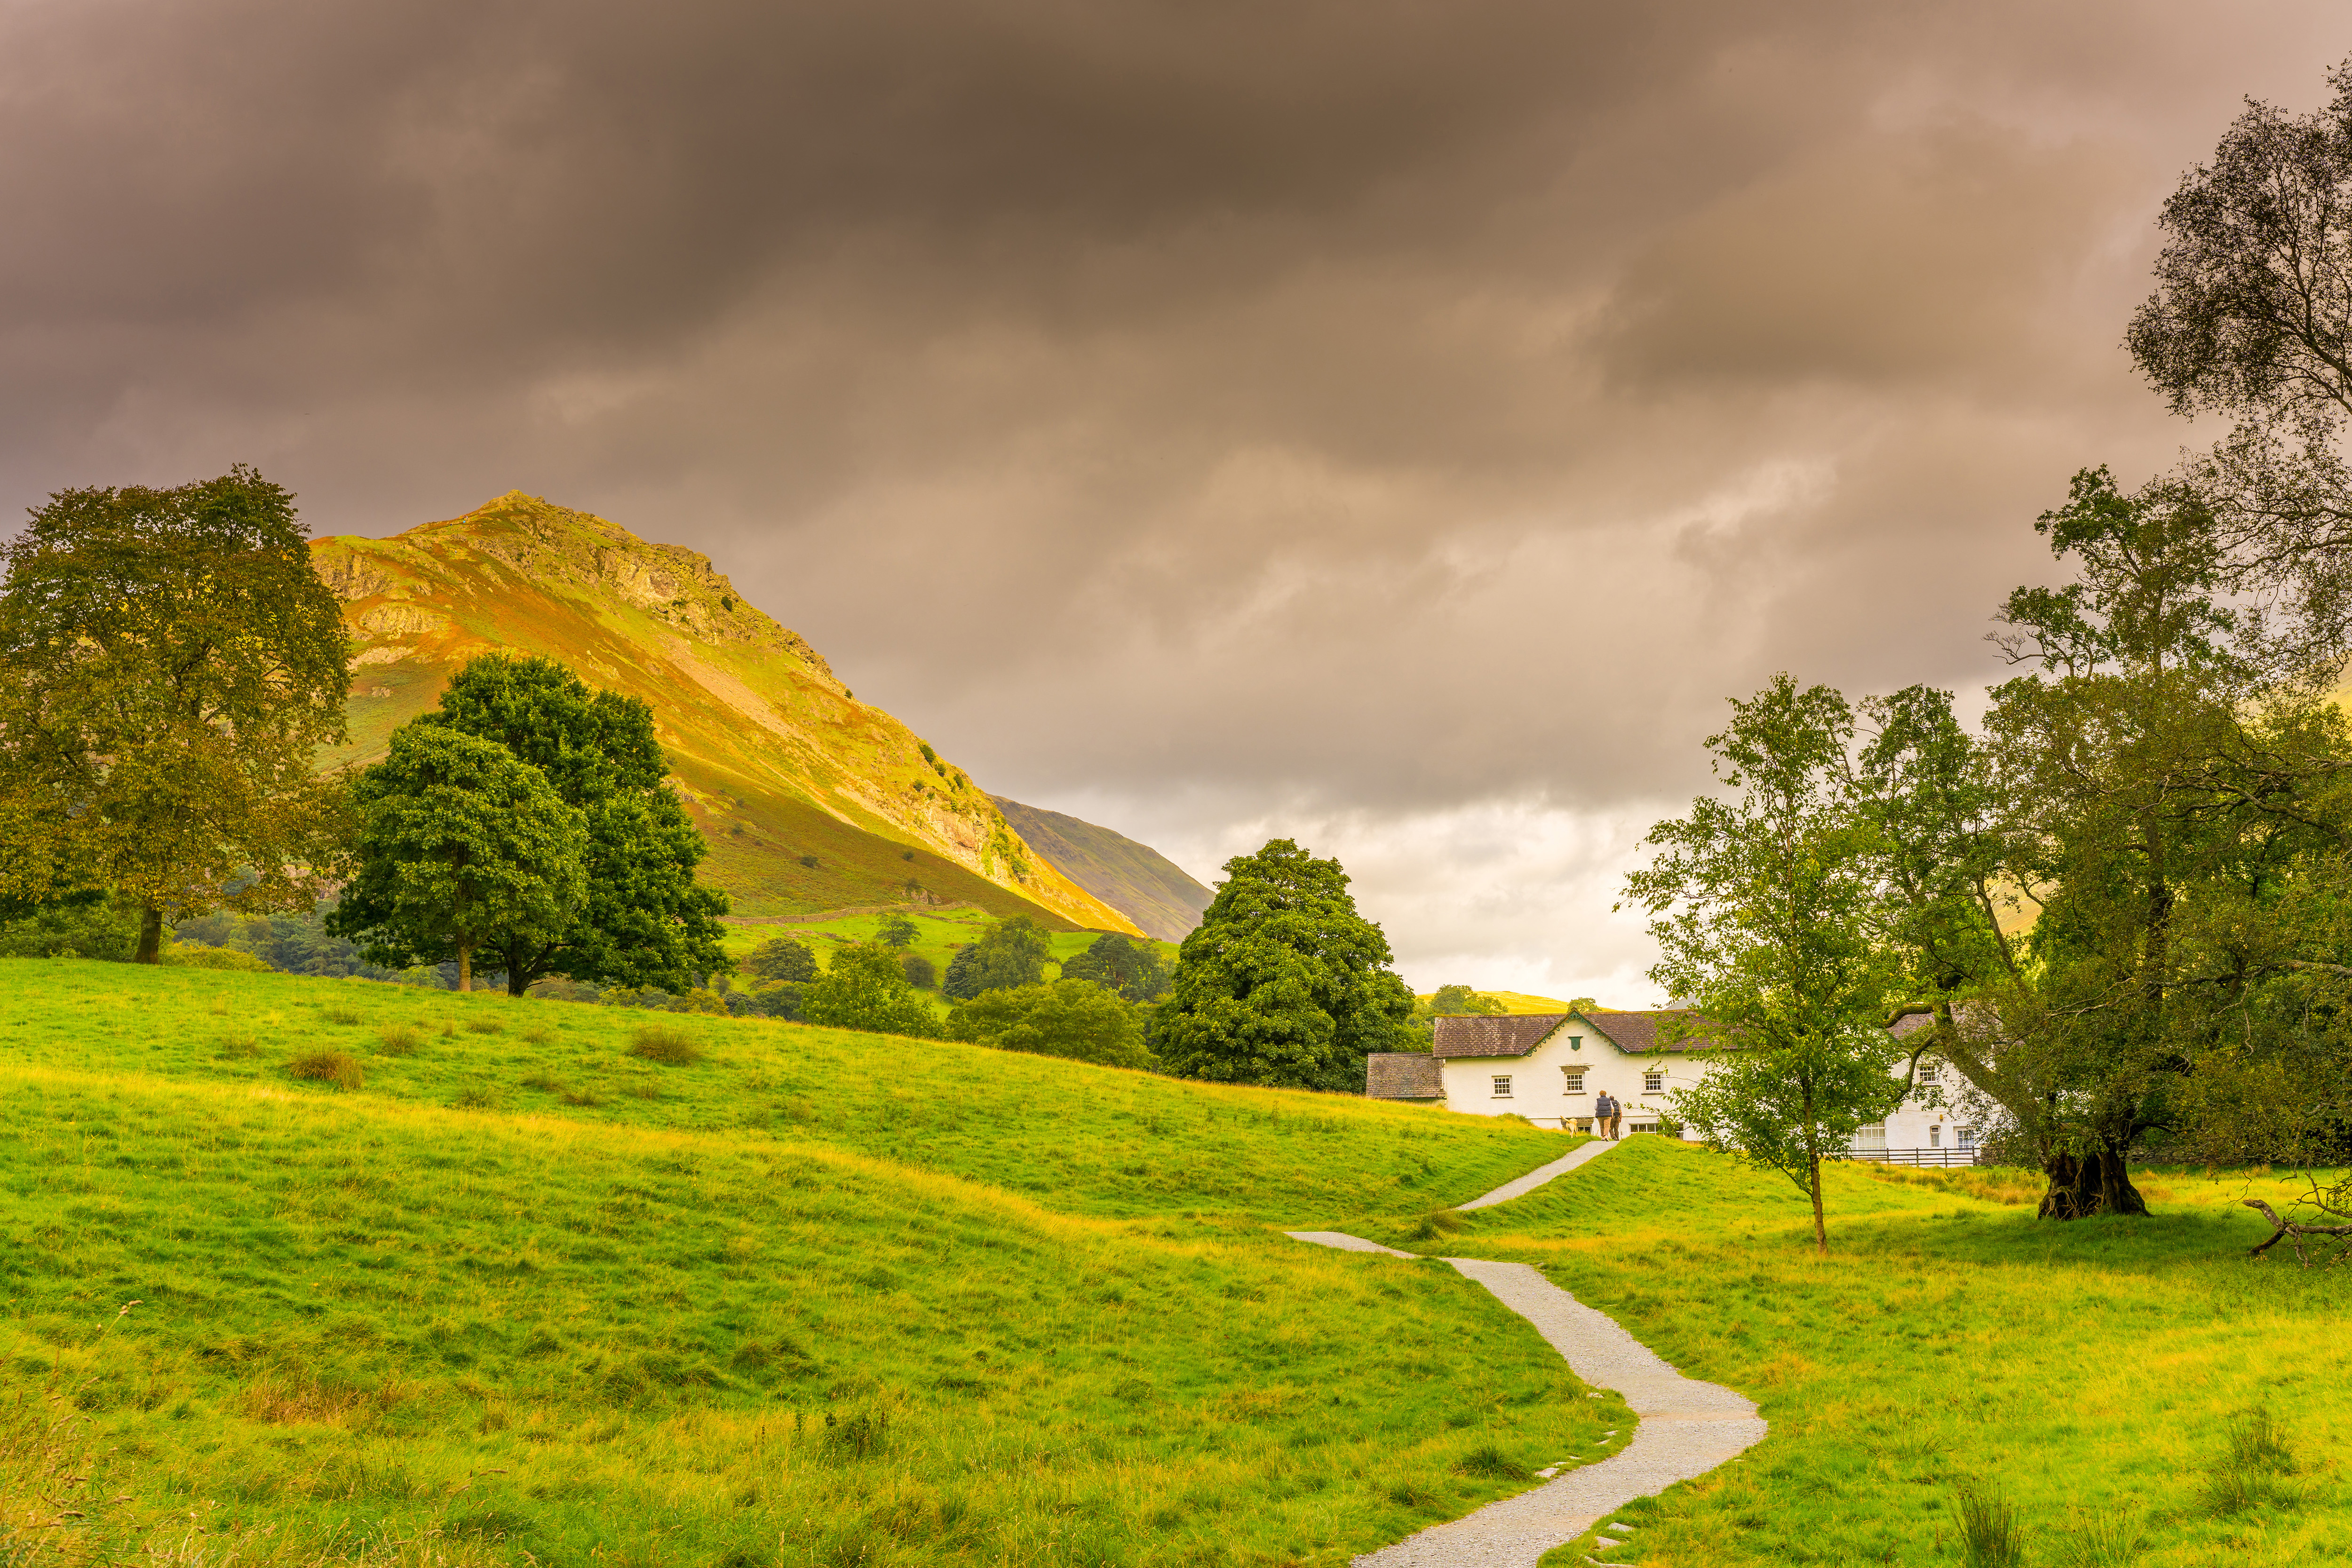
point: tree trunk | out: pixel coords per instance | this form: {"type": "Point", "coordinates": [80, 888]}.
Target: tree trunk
{"type": "Point", "coordinates": [2093, 1183]}
{"type": "Point", "coordinates": [1820, 1231]}
{"type": "Point", "coordinates": [464, 965]}
{"type": "Point", "coordinates": [516, 984]}
{"type": "Point", "coordinates": [150, 937]}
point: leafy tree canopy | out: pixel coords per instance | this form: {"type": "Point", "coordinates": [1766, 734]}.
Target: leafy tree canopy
{"type": "Point", "coordinates": [462, 846]}
{"type": "Point", "coordinates": [866, 990]}
{"type": "Point", "coordinates": [1117, 963]}
{"type": "Point", "coordinates": [921, 973]}
{"type": "Point", "coordinates": [896, 931]}
{"type": "Point", "coordinates": [784, 959]}
{"type": "Point", "coordinates": [1011, 953]}
{"type": "Point", "coordinates": [1455, 1001]}
{"type": "Point", "coordinates": [1076, 1019]}
{"type": "Point", "coordinates": [1283, 982]}
{"type": "Point", "coordinates": [169, 664]}
{"type": "Point", "coordinates": [648, 922]}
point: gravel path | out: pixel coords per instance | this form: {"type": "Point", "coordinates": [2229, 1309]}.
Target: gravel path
{"type": "Point", "coordinates": [1687, 1427]}
{"type": "Point", "coordinates": [1542, 1174]}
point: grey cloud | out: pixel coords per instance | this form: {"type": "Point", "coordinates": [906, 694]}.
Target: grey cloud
{"type": "Point", "coordinates": [1354, 412]}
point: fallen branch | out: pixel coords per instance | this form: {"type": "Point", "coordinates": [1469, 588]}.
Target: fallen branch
{"type": "Point", "coordinates": [2288, 1227]}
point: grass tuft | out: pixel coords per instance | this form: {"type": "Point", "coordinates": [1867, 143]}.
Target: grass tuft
{"type": "Point", "coordinates": [1490, 1463]}
{"type": "Point", "coordinates": [2253, 1476]}
{"type": "Point", "coordinates": [239, 1047]}
{"type": "Point", "coordinates": [400, 1040]}
{"type": "Point", "coordinates": [1990, 1533]}
{"type": "Point", "coordinates": [485, 1026]}
{"type": "Point", "coordinates": [344, 1017]}
{"type": "Point", "coordinates": [660, 1042]}
{"type": "Point", "coordinates": [2113, 1540]}
{"type": "Point", "coordinates": [339, 1067]}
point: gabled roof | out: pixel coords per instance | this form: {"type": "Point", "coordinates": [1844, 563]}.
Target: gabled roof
{"type": "Point", "coordinates": [1636, 1034]}
{"type": "Point", "coordinates": [1493, 1034]}
{"type": "Point", "coordinates": [1402, 1076]}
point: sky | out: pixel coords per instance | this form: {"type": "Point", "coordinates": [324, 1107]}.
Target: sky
{"type": "Point", "coordinates": [1397, 427]}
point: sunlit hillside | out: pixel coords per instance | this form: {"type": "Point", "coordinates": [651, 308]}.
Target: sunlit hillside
{"type": "Point", "coordinates": [809, 798]}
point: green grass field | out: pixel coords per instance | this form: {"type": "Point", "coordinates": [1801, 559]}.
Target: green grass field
{"type": "Point", "coordinates": [2099, 1373]}
{"type": "Point", "coordinates": [813, 1298]}
{"type": "Point", "coordinates": [820, 1298]}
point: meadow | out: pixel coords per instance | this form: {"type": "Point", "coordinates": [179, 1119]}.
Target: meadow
{"type": "Point", "coordinates": [755, 1294]}
{"type": "Point", "coordinates": [937, 933]}
{"type": "Point", "coordinates": [2136, 1390]}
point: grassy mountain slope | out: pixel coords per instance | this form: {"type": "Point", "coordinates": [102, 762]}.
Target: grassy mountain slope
{"type": "Point", "coordinates": [816, 1298]}
{"type": "Point", "coordinates": [810, 799]}
{"type": "Point", "coordinates": [1134, 879]}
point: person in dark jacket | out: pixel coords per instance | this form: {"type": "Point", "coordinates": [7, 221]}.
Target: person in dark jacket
{"type": "Point", "coordinates": [1605, 1114]}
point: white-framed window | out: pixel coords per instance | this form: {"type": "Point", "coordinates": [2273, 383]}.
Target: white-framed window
{"type": "Point", "coordinates": [1967, 1139]}
{"type": "Point", "coordinates": [1574, 1080]}
{"type": "Point", "coordinates": [1502, 1086]}
{"type": "Point", "coordinates": [1931, 1072]}
{"type": "Point", "coordinates": [1936, 1136]}
{"type": "Point", "coordinates": [1654, 1080]}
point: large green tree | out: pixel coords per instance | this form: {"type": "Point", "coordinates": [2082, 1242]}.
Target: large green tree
{"type": "Point", "coordinates": [1013, 952]}
{"type": "Point", "coordinates": [1764, 901]}
{"type": "Point", "coordinates": [1132, 969]}
{"type": "Point", "coordinates": [1283, 982]}
{"type": "Point", "coordinates": [647, 920]}
{"type": "Point", "coordinates": [462, 846]}
{"type": "Point", "coordinates": [170, 664]}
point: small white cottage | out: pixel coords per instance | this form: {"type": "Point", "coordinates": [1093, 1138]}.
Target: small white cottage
{"type": "Point", "coordinates": [1549, 1067]}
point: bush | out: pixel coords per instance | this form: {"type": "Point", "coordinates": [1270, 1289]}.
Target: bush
{"type": "Point", "coordinates": [101, 928]}
{"type": "Point", "coordinates": [783, 960]}
{"type": "Point", "coordinates": [196, 955]}
{"type": "Point", "coordinates": [1075, 1018]}
{"type": "Point", "coordinates": [920, 972]}
{"type": "Point", "coordinates": [339, 1067]}
{"type": "Point", "coordinates": [670, 1047]}
{"type": "Point", "coordinates": [1009, 954]}
{"type": "Point", "coordinates": [866, 990]}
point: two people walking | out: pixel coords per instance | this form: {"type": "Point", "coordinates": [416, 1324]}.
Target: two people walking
{"type": "Point", "coordinates": [1608, 1117]}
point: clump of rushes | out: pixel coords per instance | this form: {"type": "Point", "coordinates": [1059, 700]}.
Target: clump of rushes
{"type": "Point", "coordinates": [1439, 1223]}
{"type": "Point", "coordinates": [537, 1034]}
{"type": "Point", "coordinates": [670, 1047]}
{"type": "Point", "coordinates": [236, 1047]}
{"type": "Point", "coordinates": [2253, 1475]}
{"type": "Point", "coordinates": [485, 1026]}
{"type": "Point", "coordinates": [1492, 1464]}
{"type": "Point", "coordinates": [400, 1040]}
{"type": "Point", "coordinates": [339, 1067]}
{"type": "Point", "coordinates": [1991, 1534]}
{"type": "Point", "coordinates": [343, 1016]}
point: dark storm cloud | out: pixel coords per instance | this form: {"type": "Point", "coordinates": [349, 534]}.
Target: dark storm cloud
{"type": "Point", "coordinates": [1380, 415]}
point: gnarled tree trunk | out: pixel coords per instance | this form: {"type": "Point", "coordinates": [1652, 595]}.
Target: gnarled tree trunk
{"type": "Point", "coordinates": [150, 937]}
{"type": "Point", "coordinates": [2096, 1182]}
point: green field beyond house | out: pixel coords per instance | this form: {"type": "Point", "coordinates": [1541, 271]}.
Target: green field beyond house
{"type": "Point", "coordinates": [560, 1284]}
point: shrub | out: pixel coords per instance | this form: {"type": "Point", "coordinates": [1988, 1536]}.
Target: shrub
{"type": "Point", "coordinates": [670, 1047]}
{"type": "Point", "coordinates": [1076, 1019]}
{"type": "Point", "coordinates": [196, 955]}
{"type": "Point", "coordinates": [866, 990]}
{"type": "Point", "coordinates": [339, 1067]}
{"type": "Point", "coordinates": [400, 1040]}
{"type": "Point", "coordinates": [781, 958]}
{"type": "Point", "coordinates": [920, 972]}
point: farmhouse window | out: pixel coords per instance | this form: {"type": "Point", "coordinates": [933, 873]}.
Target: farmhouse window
{"type": "Point", "coordinates": [1575, 1076]}
{"type": "Point", "coordinates": [1967, 1137]}
{"type": "Point", "coordinates": [1502, 1087]}
{"type": "Point", "coordinates": [1936, 1137]}
{"type": "Point", "coordinates": [1653, 1081]}
{"type": "Point", "coordinates": [1929, 1073]}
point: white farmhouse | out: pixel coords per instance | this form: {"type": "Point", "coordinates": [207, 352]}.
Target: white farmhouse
{"type": "Point", "coordinates": [1549, 1067]}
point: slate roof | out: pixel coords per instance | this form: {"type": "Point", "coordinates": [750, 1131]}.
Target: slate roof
{"type": "Point", "coordinates": [1493, 1034]}
{"type": "Point", "coordinates": [1402, 1076]}
{"type": "Point", "coordinates": [1636, 1034]}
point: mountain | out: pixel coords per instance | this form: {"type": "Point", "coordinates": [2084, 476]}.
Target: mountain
{"type": "Point", "coordinates": [1134, 879]}
{"type": "Point", "coordinates": [810, 799]}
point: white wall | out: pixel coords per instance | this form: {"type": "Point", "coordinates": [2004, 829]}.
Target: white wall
{"type": "Point", "coordinates": [1539, 1086]}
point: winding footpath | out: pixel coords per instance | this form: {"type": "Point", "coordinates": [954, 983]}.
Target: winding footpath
{"type": "Point", "coordinates": [1686, 1427]}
